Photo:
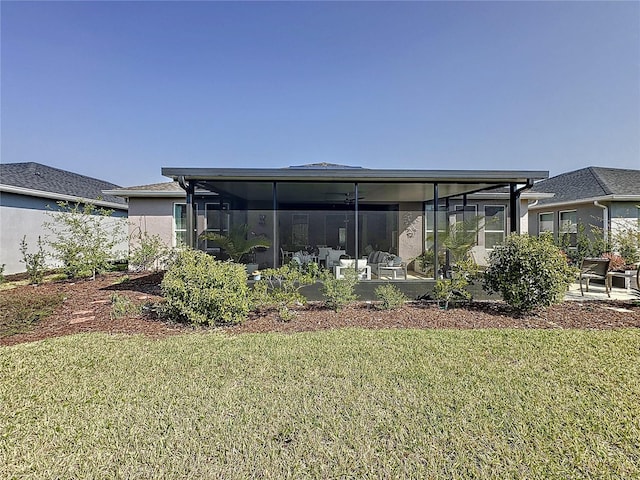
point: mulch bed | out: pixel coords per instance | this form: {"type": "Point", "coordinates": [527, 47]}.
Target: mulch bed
{"type": "Point", "coordinates": [87, 308]}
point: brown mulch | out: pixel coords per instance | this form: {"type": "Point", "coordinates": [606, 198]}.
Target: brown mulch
{"type": "Point", "coordinates": [87, 308]}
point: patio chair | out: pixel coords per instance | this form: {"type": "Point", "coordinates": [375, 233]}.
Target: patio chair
{"type": "Point", "coordinates": [594, 269]}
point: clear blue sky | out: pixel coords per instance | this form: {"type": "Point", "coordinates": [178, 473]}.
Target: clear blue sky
{"type": "Point", "coordinates": [117, 90]}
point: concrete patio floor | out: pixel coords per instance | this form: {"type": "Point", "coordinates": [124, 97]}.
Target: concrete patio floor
{"type": "Point", "coordinates": [597, 292]}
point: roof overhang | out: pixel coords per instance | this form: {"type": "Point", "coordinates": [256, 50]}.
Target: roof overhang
{"type": "Point", "coordinates": [61, 197]}
{"type": "Point", "coordinates": [582, 201]}
{"type": "Point", "coordinates": [327, 184]}
{"type": "Point", "coordinates": [123, 192]}
{"type": "Point", "coordinates": [500, 177]}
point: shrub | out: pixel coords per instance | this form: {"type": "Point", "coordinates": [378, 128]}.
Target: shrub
{"type": "Point", "coordinates": [626, 241]}
{"type": "Point", "coordinates": [2, 278]}
{"type": "Point", "coordinates": [34, 262]}
{"type": "Point", "coordinates": [529, 272]}
{"type": "Point", "coordinates": [390, 297]}
{"type": "Point", "coordinates": [121, 306]}
{"type": "Point", "coordinates": [453, 290]}
{"type": "Point", "coordinates": [280, 287]}
{"type": "Point", "coordinates": [616, 262]}
{"type": "Point", "coordinates": [338, 293]}
{"type": "Point", "coordinates": [202, 290]}
{"type": "Point", "coordinates": [149, 252]}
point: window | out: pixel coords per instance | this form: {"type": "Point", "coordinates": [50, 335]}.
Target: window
{"type": "Point", "coordinates": [179, 224]}
{"type": "Point", "coordinates": [300, 229]}
{"type": "Point", "coordinates": [494, 225]}
{"type": "Point", "coordinates": [217, 221]}
{"type": "Point", "coordinates": [430, 218]}
{"type": "Point", "coordinates": [569, 228]}
{"type": "Point", "coordinates": [545, 222]}
{"type": "Point", "coordinates": [468, 215]}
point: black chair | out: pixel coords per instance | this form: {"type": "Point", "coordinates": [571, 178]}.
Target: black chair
{"type": "Point", "coordinates": [594, 268]}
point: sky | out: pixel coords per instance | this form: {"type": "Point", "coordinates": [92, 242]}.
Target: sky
{"type": "Point", "coordinates": [118, 90]}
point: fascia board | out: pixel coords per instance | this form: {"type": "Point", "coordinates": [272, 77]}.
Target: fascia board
{"type": "Point", "coordinates": [581, 201]}
{"type": "Point", "coordinates": [61, 197]}
{"type": "Point", "coordinates": [351, 175]}
{"type": "Point", "coordinates": [145, 193]}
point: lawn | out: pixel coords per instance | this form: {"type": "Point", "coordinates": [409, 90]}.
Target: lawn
{"type": "Point", "coordinates": [335, 404]}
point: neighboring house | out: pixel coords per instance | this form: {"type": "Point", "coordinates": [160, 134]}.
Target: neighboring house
{"type": "Point", "coordinates": [306, 208]}
{"type": "Point", "coordinates": [29, 192]}
{"type": "Point", "coordinates": [153, 208]}
{"type": "Point", "coordinates": [605, 198]}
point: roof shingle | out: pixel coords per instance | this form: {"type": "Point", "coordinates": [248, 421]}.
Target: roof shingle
{"type": "Point", "coordinates": [589, 182]}
{"type": "Point", "coordinates": [35, 176]}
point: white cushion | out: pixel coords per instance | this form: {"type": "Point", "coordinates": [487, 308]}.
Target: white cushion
{"type": "Point", "coordinates": [346, 262]}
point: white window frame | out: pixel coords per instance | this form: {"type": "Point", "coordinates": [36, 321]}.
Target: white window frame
{"type": "Point", "coordinates": [465, 210]}
{"type": "Point", "coordinates": [494, 229]}
{"type": "Point", "coordinates": [175, 229]}
{"type": "Point", "coordinates": [573, 230]}
{"type": "Point", "coordinates": [442, 226]}
{"type": "Point", "coordinates": [553, 223]}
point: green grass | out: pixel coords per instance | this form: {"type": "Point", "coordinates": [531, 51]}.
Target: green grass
{"type": "Point", "coordinates": [19, 313]}
{"type": "Point", "coordinates": [338, 404]}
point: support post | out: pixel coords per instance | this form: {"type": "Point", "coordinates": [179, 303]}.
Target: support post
{"type": "Point", "coordinates": [355, 225]}
{"type": "Point", "coordinates": [275, 242]}
{"type": "Point", "coordinates": [436, 267]}
{"type": "Point", "coordinates": [513, 208]}
{"type": "Point", "coordinates": [191, 215]}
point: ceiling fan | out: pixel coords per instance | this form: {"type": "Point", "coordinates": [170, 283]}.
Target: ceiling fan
{"type": "Point", "coordinates": [349, 197]}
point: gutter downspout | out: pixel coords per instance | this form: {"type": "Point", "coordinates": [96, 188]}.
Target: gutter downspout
{"type": "Point", "coordinates": [605, 221]}
{"type": "Point", "coordinates": [190, 220]}
{"type": "Point", "coordinates": [514, 206]}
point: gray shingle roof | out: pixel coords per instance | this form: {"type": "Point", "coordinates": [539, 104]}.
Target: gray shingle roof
{"type": "Point", "coordinates": [589, 182]}
{"type": "Point", "coordinates": [35, 176]}
{"type": "Point", "coordinates": [157, 187]}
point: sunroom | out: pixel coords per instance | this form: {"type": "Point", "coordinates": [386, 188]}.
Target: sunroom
{"type": "Point", "coordinates": [389, 222]}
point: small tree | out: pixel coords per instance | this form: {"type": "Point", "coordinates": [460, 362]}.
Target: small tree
{"type": "Point", "coordinates": [35, 263]}
{"type": "Point", "coordinates": [148, 253]}
{"type": "Point", "coordinates": [454, 289]}
{"type": "Point", "coordinates": [529, 272]}
{"type": "Point", "coordinates": [338, 293]}
{"type": "Point", "coordinates": [82, 239]}
{"type": "Point", "coordinates": [390, 297]}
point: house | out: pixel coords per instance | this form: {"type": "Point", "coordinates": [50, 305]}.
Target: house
{"type": "Point", "coordinates": [28, 193]}
{"type": "Point", "coordinates": [595, 200]}
{"type": "Point", "coordinates": [315, 208]}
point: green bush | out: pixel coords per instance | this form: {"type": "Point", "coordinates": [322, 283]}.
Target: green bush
{"type": "Point", "coordinates": [453, 290]}
{"type": "Point", "coordinates": [280, 287]}
{"type": "Point", "coordinates": [202, 290]}
{"type": "Point", "coordinates": [626, 241]}
{"type": "Point", "coordinates": [390, 297]}
{"type": "Point", "coordinates": [122, 306]}
{"type": "Point", "coordinates": [528, 272]}
{"type": "Point", "coordinates": [338, 293]}
{"type": "Point", "coordinates": [2, 278]}
{"type": "Point", "coordinates": [35, 263]}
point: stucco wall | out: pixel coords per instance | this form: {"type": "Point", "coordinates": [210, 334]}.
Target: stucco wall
{"type": "Point", "coordinates": [410, 230]}
{"type": "Point", "coordinates": [154, 216]}
{"type": "Point", "coordinates": [22, 215]}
